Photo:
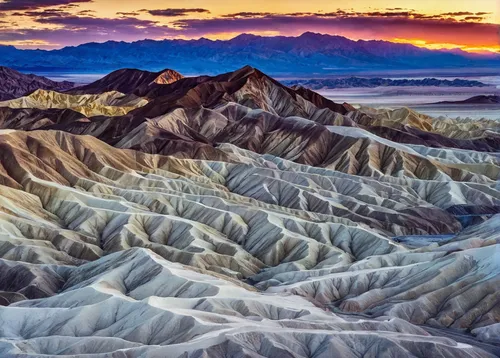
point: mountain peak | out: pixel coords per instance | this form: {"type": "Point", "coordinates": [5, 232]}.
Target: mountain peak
{"type": "Point", "coordinates": [167, 77]}
{"type": "Point", "coordinates": [313, 34]}
{"type": "Point", "coordinates": [245, 36]}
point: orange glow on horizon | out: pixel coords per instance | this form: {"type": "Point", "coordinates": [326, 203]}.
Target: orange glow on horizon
{"type": "Point", "coordinates": [448, 46]}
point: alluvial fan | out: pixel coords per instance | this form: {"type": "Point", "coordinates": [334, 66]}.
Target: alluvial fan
{"type": "Point", "coordinates": [155, 215]}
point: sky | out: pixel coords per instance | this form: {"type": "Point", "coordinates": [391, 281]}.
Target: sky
{"type": "Point", "coordinates": [471, 25]}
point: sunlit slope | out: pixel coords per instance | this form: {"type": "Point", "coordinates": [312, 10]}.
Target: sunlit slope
{"type": "Point", "coordinates": [106, 104]}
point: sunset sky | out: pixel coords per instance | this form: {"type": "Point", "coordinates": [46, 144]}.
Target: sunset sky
{"type": "Point", "coordinates": [469, 25]}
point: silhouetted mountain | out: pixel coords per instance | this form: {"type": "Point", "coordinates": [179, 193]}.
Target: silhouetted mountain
{"type": "Point", "coordinates": [128, 81]}
{"type": "Point", "coordinates": [15, 84]}
{"type": "Point", "coordinates": [482, 99]}
{"type": "Point", "coordinates": [354, 82]}
{"type": "Point", "coordinates": [305, 54]}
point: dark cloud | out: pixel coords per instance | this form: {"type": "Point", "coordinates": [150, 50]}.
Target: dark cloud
{"type": "Point", "coordinates": [175, 12]}
{"type": "Point", "coordinates": [86, 12]}
{"type": "Point", "coordinates": [132, 13]}
{"type": "Point", "coordinates": [247, 14]}
{"type": "Point", "coordinates": [391, 12]}
{"type": "Point", "coordinates": [97, 23]}
{"type": "Point", "coordinates": [473, 18]}
{"type": "Point", "coordinates": [459, 13]}
{"type": "Point", "coordinates": [482, 13]}
{"type": "Point", "coordinates": [19, 5]}
{"type": "Point", "coordinates": [387, 14]}
{"type": "Point", "coordinates": [43, 13]}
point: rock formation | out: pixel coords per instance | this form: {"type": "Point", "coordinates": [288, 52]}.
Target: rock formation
{"type": "Point", "coordinates": [232, 216]}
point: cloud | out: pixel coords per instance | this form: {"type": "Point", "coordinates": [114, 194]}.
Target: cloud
{"type": "Point", "coordinates": [19, 5]}
{"type": "Point", "coordinates": [43, 13]}
{"type": "Point", "coordinates": [73, 30]}
{"type": "Point", "coordinates": [86, 13]}
{"type": "Point", "coordinates": [391, 12]}
{"type": "Point", "coordinates": [388, 24]}
{"type": "Point", "coordinates": [132, 13]}
{"type": "Point", "coordinates": [247, 14]}
{"type": "Point", "coordinates": [459, 13]}
{"type": "Point", "coordinates": [358, 25]}
{"type": "Point", "coordinates": [473, 18]}
{"type": "Point", "coordinates": [74, 21]}
{"type": "Point", "coordinates": [175, 12]}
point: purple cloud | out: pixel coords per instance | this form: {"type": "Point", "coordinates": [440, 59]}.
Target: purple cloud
{"type": "Point", "coordinates": [78, 29]}
{"type": "Point", "coordinates": [453, 28]}
{"type": "Point", "coordinates": [97, 23]}
{"type": "Point", "coordinates": [18, 5]}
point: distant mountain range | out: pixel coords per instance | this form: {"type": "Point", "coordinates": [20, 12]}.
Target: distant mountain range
{"type": "Point", "coordinates": [307, 54]}
{"type": "Point", "coordinates": [355, 82]}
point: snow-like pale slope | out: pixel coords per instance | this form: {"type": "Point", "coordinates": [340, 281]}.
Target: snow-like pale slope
{"type": "Point", "coordinates": [104, 249]}
{"type": "Point", "coordinates": [145, 306]}
{"type": "Point", "coordinates": [109, 103]}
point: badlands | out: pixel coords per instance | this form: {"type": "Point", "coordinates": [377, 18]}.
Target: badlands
{"type": "Point", "coordinates": [156, 215]}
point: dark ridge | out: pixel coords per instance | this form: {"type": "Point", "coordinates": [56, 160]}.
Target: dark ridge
{"type": "Point", "coordinates": [358, 82]}
{"type": "Point", "coordinates": [15, 84]}
{"type": "Point", "coordinates": [482, 99]}
{"type": "Point", "coordinates": [129, 81]}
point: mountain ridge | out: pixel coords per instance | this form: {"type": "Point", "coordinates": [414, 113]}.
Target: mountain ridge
{"type": "Point", "coordinates": [15, 84]}
{"type": "Point", "coordinates": [305, 54]}
{"type": "Point", "coordinates": [481, 99]}
{"type": "Point", "coordinates": [361, 82]}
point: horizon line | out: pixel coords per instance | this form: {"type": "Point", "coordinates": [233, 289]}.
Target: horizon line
{"type": "Point", "coordinates": [402, 42]}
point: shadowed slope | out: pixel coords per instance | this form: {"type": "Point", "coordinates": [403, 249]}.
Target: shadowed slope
{"type": "Point", "coordinates": [15, 84]}
{"type": "Point", "coordinates": [129, 81]}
